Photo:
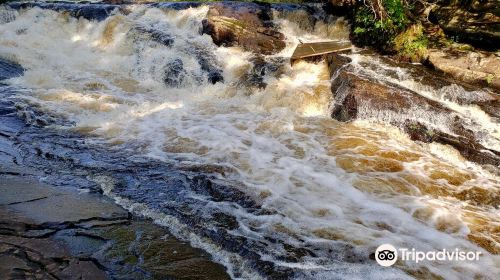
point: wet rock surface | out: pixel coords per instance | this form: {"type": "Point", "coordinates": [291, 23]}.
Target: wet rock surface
{"type": "Point", "coordinates": [174, 73]}
{"type": "Point", "coordinates": [262, 68]}
{"type": "Point", "coordinates": [54, 233]}
{"type": "Point", "coordinates": [488, 100]}
{"type": "Point", "coordinates": [195, 198]}
{"type": "Point", "coordinates": [246, 25]}
{"type": "Point", "coordinates": [426, 120]}
{"type": "Point", "coordinates": [49, 232]}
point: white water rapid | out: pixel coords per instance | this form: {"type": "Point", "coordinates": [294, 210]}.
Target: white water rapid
{"type": "Point", "coordinates": [339, 188]}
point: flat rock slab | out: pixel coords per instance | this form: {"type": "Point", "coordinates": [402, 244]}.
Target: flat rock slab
{"type": "Point", "coordinates": [479, 68]}
{"type": "Point", "coordinates": [16, 190]}
{"type": "Point", "coordinates": [20, 262]}
{"type": "Point", "coordinates": [44, 204]}
{"type": "Point", "coordinates": [9, 264]}
{"type": "Point", "coordinates": [53, 233]}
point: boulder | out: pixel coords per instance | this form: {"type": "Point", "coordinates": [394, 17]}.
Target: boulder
{"type": "Point", "coordinates": [480, 68]}
{"type": "Point", "coordinates": [246, 25]}
{"type": "Point", "coordinates": [426, 120]}
{"type": "Point", "coordinates": [262, 68]}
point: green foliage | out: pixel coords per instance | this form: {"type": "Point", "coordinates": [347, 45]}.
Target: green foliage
{"type": "Point", "coordinates": [378, 28]}
{"type": "Point", "coordinates": [412, 44]}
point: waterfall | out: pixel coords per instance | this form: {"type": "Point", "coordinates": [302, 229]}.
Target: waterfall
{"type": "Point", "coordinates": [260, 175]}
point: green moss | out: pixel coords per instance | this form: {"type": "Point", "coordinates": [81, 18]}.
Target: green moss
{"type": "Point", "coordinates": [235, 22]}
{"type": "Point", "coordinates": [489, 78]}
{"type": "Point", "coordinates": [412, 44]}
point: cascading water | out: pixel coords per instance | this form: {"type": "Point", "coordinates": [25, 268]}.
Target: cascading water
{"type": "Point", "coordinates": [291, 191]}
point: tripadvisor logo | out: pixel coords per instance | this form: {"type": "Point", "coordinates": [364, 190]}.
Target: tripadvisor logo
{"type": "Point", "coordinates": [387, 255]}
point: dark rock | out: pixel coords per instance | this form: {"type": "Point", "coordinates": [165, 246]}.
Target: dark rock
{"type": "Point", "coordinates": [157, 35]}
{"type": "Point", "coordinates": [9, 69]}
{"type": "Point", "coordinates": [16, 190]}
{"type": "Point", "coordinates": [467, 147]}
{"type": "Point", "coordinates": [215, 77]}
{"type": "Point", "coordinates": [174, 73]}
{"type": "Point", "coordinates": [81, 270]}
{"type": "Point", "coordinates": [346, 109]}
{"type": "Point", "coordinates": [121, 2]}
{"type": "Point", "coordinates": [100, 223]}
{"type": "Point", "coordinates": [80, 243]}
{"type": "Point", "coordinates": [262, 68]}
{"type": "Point", "coordinates": [244, 25]}
{"type": "Point", "coordinates": [142, 246]}
{"type": "Point", "coordinates": [62, 209]}
{"type": "Point", "coordinates": [9, 265]}
{"type": "Point", "coordinates": [340, 7]}
{"type": "Point", "coordinates": [177, 5]}
{"type": "Point", "coordinates": [39, 233]}
{"type": "Point", "coordinates": [225, 220]}
{"type": "Point", "coordinates": [47, 243]}
{"type": "Point", "coordinates": [208, 63]}
{"type": "Point", "coordinates": [203, 185]}
{"type": "Point", "coordinates": [295, 254]}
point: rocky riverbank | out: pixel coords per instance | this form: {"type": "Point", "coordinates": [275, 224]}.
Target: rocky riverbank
{"type": "Point", "coordinates": [458, 38]}
{"type": "Point", "coordinates": [53, 233]}
{"type": "Point", "coordinates": [61, 232]}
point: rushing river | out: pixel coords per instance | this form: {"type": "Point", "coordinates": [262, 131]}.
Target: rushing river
{"type": "Point", "coordinates": [251, 168]}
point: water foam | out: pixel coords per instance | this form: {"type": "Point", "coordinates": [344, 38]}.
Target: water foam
{"type": "Point", "coordinates": [330, 194]}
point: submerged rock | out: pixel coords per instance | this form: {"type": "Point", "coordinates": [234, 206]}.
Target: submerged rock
{"type": "Point", "coordinates": [426, 120]}
{"type": "Point", "coordinates": [208, 63]}
{"type": "Point", "coordinates": [262, 68]}
{"type": "Point", "coordinates": [156, 35]}
{"type": "Point", "coordinates": [246, 25]}
{"type": "Point", "coordinates": [9, 69]}
{"type": "Point", "coordinates": [467, 146]}
{"type": "Point", "coordinates": [174, 73]}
